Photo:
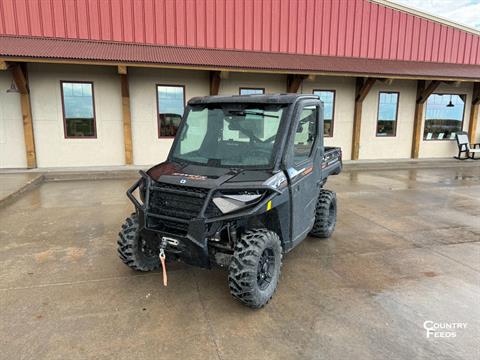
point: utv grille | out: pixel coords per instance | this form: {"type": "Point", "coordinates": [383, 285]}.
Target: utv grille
{"type": "Point", "coordinates": [179, 202]}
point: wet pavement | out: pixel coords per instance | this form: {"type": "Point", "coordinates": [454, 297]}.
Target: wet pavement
{"type": "Point", "coordinates": [12, 185]}
{"type": "Point", "coordinates": [406, 250]}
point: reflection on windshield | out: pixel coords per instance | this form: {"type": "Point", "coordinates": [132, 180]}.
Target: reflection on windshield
{"type": "Point", "coordinates": [230, 136]}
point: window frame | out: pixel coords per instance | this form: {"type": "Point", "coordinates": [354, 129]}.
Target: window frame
{"type": "Point", "coordinates": [65, 135]}
{"type": "Point", "coordinates": [315, 142]}
{"type": "Point", "coordinates": [332, 129]}
{"type": "Point", "coordinates": [158, 108]}
{"type": "Point", "coordinates": [251, 88]}
{"type": "Point", "coordinates": [396, 114]}
{"type": "Point", "coordinates": [425, 114]}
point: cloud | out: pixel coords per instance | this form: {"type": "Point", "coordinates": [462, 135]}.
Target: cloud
{"type": "Point", "coordinates": [466, 12]}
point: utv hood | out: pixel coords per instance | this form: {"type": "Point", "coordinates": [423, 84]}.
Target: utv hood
{"type": "Point", "coordinates": [204, 176]}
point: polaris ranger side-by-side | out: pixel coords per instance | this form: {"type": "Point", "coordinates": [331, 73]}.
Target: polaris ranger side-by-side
{"type": "Point", "coordinates": [242, 185]}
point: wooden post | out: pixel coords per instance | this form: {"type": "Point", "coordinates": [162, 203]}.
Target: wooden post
{"type": "Point", "coordinates": [363, 87]}
{"type": "Point", "coordinates": [294, 81]}
{"type": "Point", "coordinates": [474, 111]}
{"type": "Point", "coordinates": [422, 96]}
{"type": "Point", "coordinates": [214, 82]}
{"type": "Point", "coordinates": [19, 74]}
{"type": "Point", "coordinates": [3, 65]}
{"type": "Point", "coordinates": [127, 119]}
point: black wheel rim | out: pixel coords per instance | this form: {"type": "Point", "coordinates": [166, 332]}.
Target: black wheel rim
{"type": "Point", "coordinates": [266, 269]}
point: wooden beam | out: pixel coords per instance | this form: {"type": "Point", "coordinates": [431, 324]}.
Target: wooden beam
{"type": "Point", "coordinates": [294, 81]}
{"type": "Point", "coordinates": [422, 95]}
{"type": "Point", "coordinates": [214, 82]}
{"type": "Point", "coordinates": [3, 65]}
{"type": "Point", "coordinates": [417, 120]}
{"type": "Point", "coordinates": [122, 69]}
{"type": "Point", "coordinates": [363, 87]}
{"type": "Point", "coordinates": [476, 94]}
{"type": "Point", "coordinates": [474, 111]}
{"type": "Point", "coordinates": [230, 69]}
{"type": "Point", "coordinates": [421, 98]}
{"type": "Point", "coordinates": [127, 119]}
{"type": "Point", "coordinates": [19, 74]}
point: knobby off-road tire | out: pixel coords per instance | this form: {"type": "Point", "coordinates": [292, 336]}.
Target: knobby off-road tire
{"type": "Point", "coordinates": [325, 215]}
{"type": "Point", "coordinates": [130, 245]}
{"type": "Point", "coordinates": [255, 267]}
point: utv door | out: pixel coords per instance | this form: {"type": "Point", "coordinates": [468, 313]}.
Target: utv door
{"type": "Point", "coordinates": [303, 164]}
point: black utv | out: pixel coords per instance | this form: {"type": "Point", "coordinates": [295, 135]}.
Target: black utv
{"type": "Point", "coordinates": [242, 185]}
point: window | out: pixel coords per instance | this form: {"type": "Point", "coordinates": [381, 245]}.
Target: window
{"type": "Point", "coordinates": [387, 113]}
{"type": "Point", "coordinates": [328, 98]}
{"type": "Point", "coordinates": [305, 134]}
{"type": "Point", "coordinates": [78, 109]}
{"type": "Point", "coordinates": [443, 116]}
{"type": "Point", "coordinates": [170, 104]}
{"type": "Point", "coordinates": [251, 91]}
{"type": "Point", "coordinates": [213, 135]}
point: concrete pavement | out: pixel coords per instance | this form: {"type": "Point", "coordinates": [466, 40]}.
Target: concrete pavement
{"type": "Point", "coordinates": [406, 250]}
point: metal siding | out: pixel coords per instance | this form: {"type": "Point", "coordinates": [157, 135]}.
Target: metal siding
{"type": "Point", "coordinates": [327, 18]}
{"type": "Point", "coordinates": [358, 28]}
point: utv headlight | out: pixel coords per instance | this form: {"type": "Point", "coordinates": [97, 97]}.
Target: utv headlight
{"type": "Point", "coordinates": [228, 203]}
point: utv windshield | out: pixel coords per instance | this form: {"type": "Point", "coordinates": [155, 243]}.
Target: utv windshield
{"type": "Point", "coordinates": [229, 135]}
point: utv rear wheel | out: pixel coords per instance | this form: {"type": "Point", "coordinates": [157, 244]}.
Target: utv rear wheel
{"type": "Point", "coordinates": [325, 215]}
{"type": "Point", "coordinates": [255, 267]}
{"type": "Point", "coordinates": [133, 250]}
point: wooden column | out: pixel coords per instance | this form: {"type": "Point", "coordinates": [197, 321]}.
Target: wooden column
{"type": "Point", "coordinates": [214, 82]}
{"type": "Point", "coordinates": [422, 96]}
{"type": "Point", "coordinates": [363, 87]}
{"type": "Point", "coordinates": [19, 73]}
{"type": "Point", "coordinates": [127, 118]}
{"type": "Point", "coordinates": [474, 111]}
{"type": "Point", "coordinates": [294, 81]}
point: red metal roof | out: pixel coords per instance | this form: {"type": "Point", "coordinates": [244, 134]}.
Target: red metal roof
{"type": "Point", "coordinates": [341, 28]}
{"type": "Point", "coordinates": [98, 51]}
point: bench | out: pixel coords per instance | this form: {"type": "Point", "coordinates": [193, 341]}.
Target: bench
{"type": "Point", "coordinates": [464, 147]}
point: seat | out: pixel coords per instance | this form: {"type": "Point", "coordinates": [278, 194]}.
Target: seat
{"type": "Point", "coordinates": [464, 147]}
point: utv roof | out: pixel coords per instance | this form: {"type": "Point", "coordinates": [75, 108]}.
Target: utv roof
{"type": "Point", "coordinates": [254, 99]}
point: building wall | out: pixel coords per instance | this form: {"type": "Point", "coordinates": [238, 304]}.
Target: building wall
{"type": "Point", "coordinates": [53, 149]}
{"type": "Point", "coordinates": [270, 82]}
{"type": "Point", "coordinates": [396, 147]}
{"type": "Point", "coordinates": [343, 112]}
{"type": "Point", "coordinates": [108, 148]}
{"type": "Point", "coordinates": [147, 147]}
{"type": "Point", "coordinates": [12, 143]}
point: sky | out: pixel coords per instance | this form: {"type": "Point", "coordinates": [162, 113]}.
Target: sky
{"type": "Point", "coordinates": [466, 12]}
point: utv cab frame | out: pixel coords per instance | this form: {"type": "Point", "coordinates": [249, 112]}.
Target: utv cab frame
{"type": "Point", "coordinates": [242, 185]}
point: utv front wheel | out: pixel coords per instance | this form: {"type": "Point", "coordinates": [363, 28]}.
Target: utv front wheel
{"type": "Point", "coordinates": [133, 250]}
{"type": "Point", "coordinates": [255, 267]}
{"type": "Point", "coordinates": [325, 215]}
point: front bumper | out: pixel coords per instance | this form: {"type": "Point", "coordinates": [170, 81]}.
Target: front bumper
{"type": "Point", "coordinates": [193, 240]}
{"type": "Point", "coordinates": [192, 245]}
